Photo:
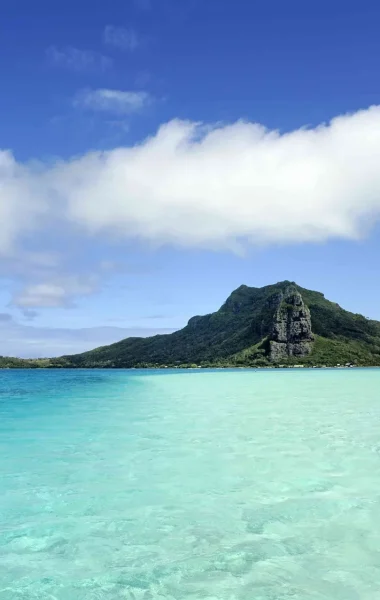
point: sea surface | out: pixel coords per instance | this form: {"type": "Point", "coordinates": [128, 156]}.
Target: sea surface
{"type": "Point", "coordinates": [179, 485]}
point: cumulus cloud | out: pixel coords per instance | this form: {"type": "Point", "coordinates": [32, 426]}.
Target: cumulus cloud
{"type": "Point", "coordinates": [216, 187]}
{"type": "Point", "coordinates": [196, 186]}
{"type": "Point", "coordinates": [121, 37]}
{"type": "Point", "coordinates": [76, 59]}
{"type": "Point", "coordinates": [21, 206]}
{"type": "Point", "coordinates": [112, 101]}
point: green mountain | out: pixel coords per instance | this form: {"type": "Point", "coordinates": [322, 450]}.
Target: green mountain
{"type": "Point", "coordinates": [276, 324]}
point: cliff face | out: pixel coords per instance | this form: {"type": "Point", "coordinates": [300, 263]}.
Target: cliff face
{"type": "Point", "coordinates": [291, 333]}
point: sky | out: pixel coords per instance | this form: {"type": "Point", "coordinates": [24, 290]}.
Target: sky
{"type": "Point", "coordinates": [157, 154]}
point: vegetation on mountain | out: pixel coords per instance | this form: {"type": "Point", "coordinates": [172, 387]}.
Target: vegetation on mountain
{"type": "Point", "coordinates": [241, 334]}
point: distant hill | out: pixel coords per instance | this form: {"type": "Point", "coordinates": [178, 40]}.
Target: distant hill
{"type": "Point", "coordinates": [280, 324]}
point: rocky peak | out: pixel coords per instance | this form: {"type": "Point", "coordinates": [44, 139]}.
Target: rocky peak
{"type": "Point", "coordinates": [291, 333]}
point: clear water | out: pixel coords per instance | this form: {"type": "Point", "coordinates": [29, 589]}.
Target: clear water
{"type": "Point", "coordinates": [238, 485]}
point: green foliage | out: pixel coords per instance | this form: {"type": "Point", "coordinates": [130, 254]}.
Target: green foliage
{"type": "Point", "coordinates": [20, 363]}
{"type": "Point", "coordinates": [331, 352]}
{"type": "Point", "coordinates": [237, 335]}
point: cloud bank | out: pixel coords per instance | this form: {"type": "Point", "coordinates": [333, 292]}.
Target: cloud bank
{"type": "Point", "coordinates": [199, 186]}
{"type": "Point", "coordinates": [26, 341]}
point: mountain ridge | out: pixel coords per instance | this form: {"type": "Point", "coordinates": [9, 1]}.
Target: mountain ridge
{"type": "Point", "coordinates": [281, 323]}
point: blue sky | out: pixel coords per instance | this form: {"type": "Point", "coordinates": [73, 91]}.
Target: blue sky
{"type": "Point", "coordinates": [136, 189]}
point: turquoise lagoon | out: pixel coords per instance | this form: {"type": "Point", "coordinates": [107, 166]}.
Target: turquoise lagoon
{"type": "Point", "coordinates": [230, 485]}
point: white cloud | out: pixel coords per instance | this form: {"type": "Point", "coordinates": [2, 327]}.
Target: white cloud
{"type": "Point", "coordinates": [41, 294]}
{"type": "Point", "coordinates": [78, 60]}
{"type": "Point", "coordinates": [113, 101]}
{"type": "Point", "coordinates": [21, 206]}
{"type": "Point", "coordinates": [192, 186]}
{"type": "Point", "coordinates": [121, 37]}
{"type": "Point", "coordinates": [212, 187]}
{"type": "Point", "coordinates": [54, 293]}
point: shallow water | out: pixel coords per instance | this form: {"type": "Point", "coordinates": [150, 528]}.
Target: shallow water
{"type": "Point", "coordinates": [238, 485]}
